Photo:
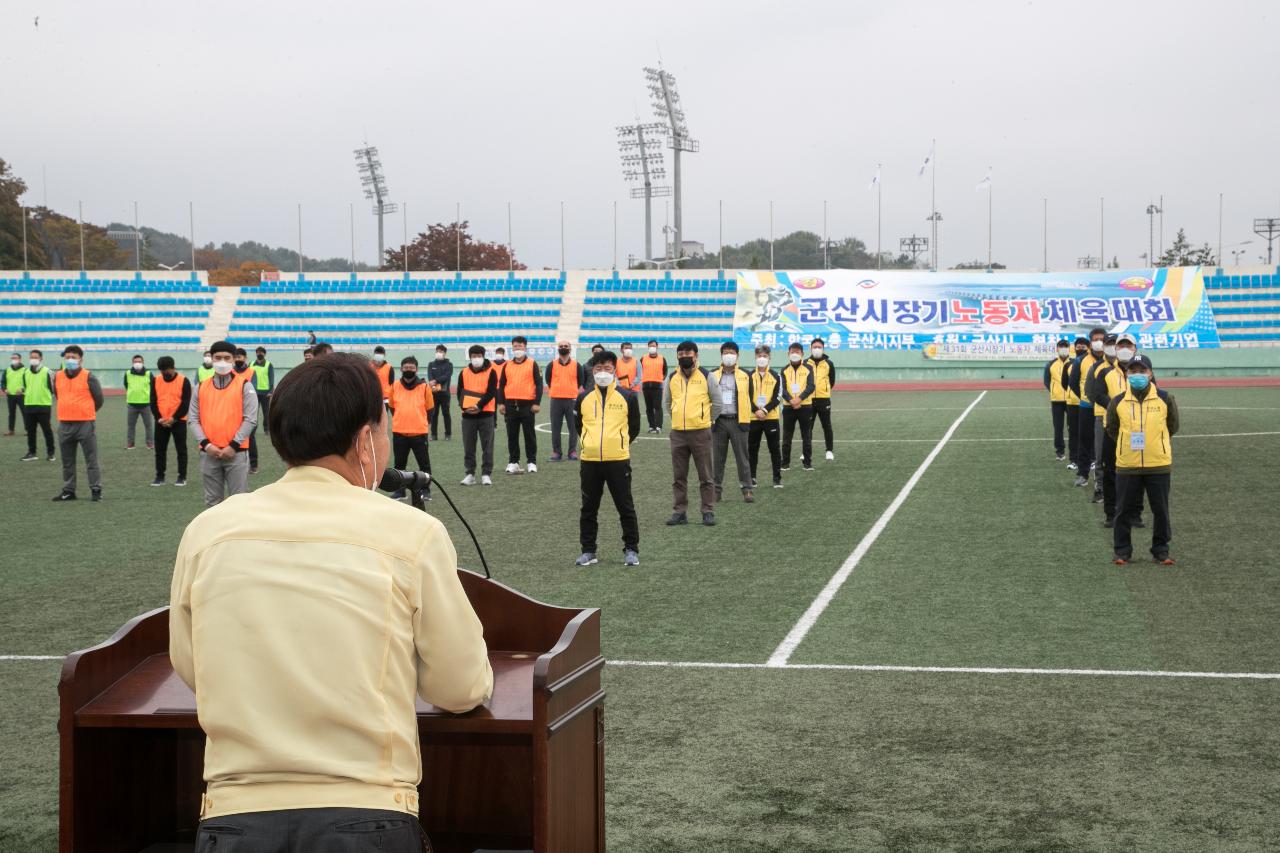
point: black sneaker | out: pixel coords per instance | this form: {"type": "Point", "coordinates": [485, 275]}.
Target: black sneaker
{"type": "Point", "coordinates": [30, 457]}
{"type": "Point", "coordinates": [397, 495]}
{"type": "Point", "coordinates": [1109, 522]}
{"type": "Point", "coordinates": [181, 481]}
{"type": "Point", "coordinates": [1138, 522]}
{"type": "Point", "coordinates": [808, 467]}
{"type": "Point", "coordinates": [1060, 456]}
{"type": "Point", "coordinates": [253, 469]}
{"type": "Point", "coordinates": [425, 494]}
{"type": "Point", "coordinates": [1097, 497]}
{"type": "Point", "coordinates": [677, 518]}
{"type": "Point", "coordinates": [158, 481]}
{"type": "Point", "coordinates": [65, 496]}
{"type": "Point", "coordinates": [53, 457]}
{"type": "Point", "coordinates": [95, 495]}
{"type": "Point", "coordinates": [709, 519]}
{"type": "Point", "coordinates": [777, 484]}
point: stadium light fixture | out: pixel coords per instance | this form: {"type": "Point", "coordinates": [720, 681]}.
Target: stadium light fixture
{"type": "Point", "coordinates": [1267, 228]}
{"type": "Point", "coordinates": [1152, 210]}
{"type": "Point", "coordinates": [913, 246]}
{"type": "Point", "coordinates": [641, 155]}
{"type": "Point", "coordinates": [369, 165]}
{"type": "Point", "coordinates": [665, 98]}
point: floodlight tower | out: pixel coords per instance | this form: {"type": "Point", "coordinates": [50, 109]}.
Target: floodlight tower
{"type": "Point", "coordinates": [666, 105]}
{"type": "Point", "coordinates": [914, 246]}
{"type": "Point", "coordinates": [375, 187]}
{"type": "Point", "coordinates": [1266, 228]}
{"type": "Point", "coordinates": [641, 153]}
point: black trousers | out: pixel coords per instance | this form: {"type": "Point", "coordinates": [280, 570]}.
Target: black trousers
{"type": "Point", "coordinates": [441, 410]}
{"type": "Point", "coordinates": [1073, 440]}
{"type": "Point", "coordinates": [178, 432]}
{"type": "Point", "coordinates": [1058, 410]}
{"type": "Point", "coordinates": [769, 430]}
{"type": "Point", "coordinates": [822, 412]}
{"type": "Point", "coordinates": [253, 448]}
{"type": "Point", "coordinates": [1129, 490]}
{"type": "Point", "coordinates": [264, 409]}
{"type": "Point", "coordinates": [1084, 441]}
{"type": "Point", "coordinates": [339, 830]}
{"type": "Point", "coordinates": [520, 418]}
{"type": "Point", "coordinates": [804, 417]}
{"type": "Point", "coordinates": [34, 416]}
{"type": "Point", "coordinates": [617, 476]}
{"type": "Point", "coordinates": [1108, 465]}
{"type": "Point", "coordinates": [402, 444]}
{"type": "Point", "coordinates": [653, 403]}
{"type": "Point", "coordinates": [15, 410]}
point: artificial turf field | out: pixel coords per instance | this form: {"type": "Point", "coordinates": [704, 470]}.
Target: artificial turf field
{"type": "Point", "coordinates": [993, 560]}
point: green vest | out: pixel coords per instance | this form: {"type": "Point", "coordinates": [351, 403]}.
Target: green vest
{"type": "Point", "coordinates": [13, 380]}
{"type": "Point", "coordinates": [262, 376]}
{"type": "Point", "coordinates": [137, 388]}
{"type": "Point", "coordinates": [38, 387]}
{"type": "Point", "coordinates": [203, 373]}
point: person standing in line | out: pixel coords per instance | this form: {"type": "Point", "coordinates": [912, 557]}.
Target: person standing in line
{"type": "Point", "coordinates": [1084, 423]}
{"type": "Point", "coordinates": [1141, 421]}
{"type": "Point", "coordinates": [628, 369]}
{"type": "Point", "coordinates": [321, 349]}
{"type": "Point", "coordinates": [440, 377]}
{"type": "Point", "coordinates": [565, 379]}
{"type": "Point", "coordinates": [1053, 383]}
{"type": "Point", "coordinates": [242, 369]}
{"type": "Point", "coordinates": [1110, 382]}
{"type": "Point", "coordinates": [386, 373]}
{"type": "Point", "coordinates": [79, 397]}
{"type": "Point", "coordinates": [765, 399]}
{"type": "Point", "coordinates": [519, 401]}
{"type": "Point", "coordinates": [13, 389]}
{"type": "Point", "coordinates": [500, 361]}
{"type": "Point", "coordinates": [205, 370]}
{"type": "Point", "coordinates": [731, 421]}
{"type": "Point", "coordinates": [170, 402]}
{"type": "Point", "coordinates": [798, 386]}
{"type": "Point", "coordinates": [824, 379]}
{"type": "Point", "coordinates": [264, 382]}
{"type": "Point", "coordinates": [37, 405]}
{"type": "Point", "coordinates": [411, 402]}
{"type": "Point", "coordinates": [653, 378]}
{"type": "Point", "coordinates": [222, 419]}
{"type": "Point", "coordinates": [690, 398]}
{"type": "Point", "coordinates": [1079, 347]}
{"type": "Point", "coordinates": [137, 390]}
{"type": "Point", "coordinates": [477, 404]}
{"type": "Point", "coordinates": [609, 419]}
{"type": "Point", "coordinates": [308, 354]}
{"type": "Point", "coordinates": [1089, 383]}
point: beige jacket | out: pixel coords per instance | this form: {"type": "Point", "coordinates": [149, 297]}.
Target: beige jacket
{"type": "Point", "coordinates": [305, 616]}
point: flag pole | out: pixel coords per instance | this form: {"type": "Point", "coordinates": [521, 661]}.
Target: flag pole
{"type": "Point", "coordinates": [879, 191]}
{"type": "Point", "coordinates": [989, 204]}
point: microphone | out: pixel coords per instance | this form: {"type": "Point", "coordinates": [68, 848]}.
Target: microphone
{"type": "Point", "coordinates": [415, 481]}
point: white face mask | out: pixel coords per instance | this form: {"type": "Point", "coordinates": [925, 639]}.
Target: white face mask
{"type": "Point", "coordinates": [653, 350]}
{"type": "Point", "coordinates": [378, 358]}
{"type": "Point", "coordinates": [1096, 346]}
{"type": "Point", "coordinates": [71, 363]}
{"type": "Point", "coordinates": [626, 352]}
{"type": "Point", "coordinates": [208, 362]}
{"type": "Point", "coordinates": [1110, 350]}
{"type": "Point", "coordinates": [517, 354]}
{"type": "Point", "coordinates": [137, 365]}
{"type": "Point", "coordinates": [439, 356]}
{"type": "Point", "coordinates": [372, 453]}
{"type": "Point", "coordinates": [817, 352]}
{"type": "Point", "coordinates": [795, 358]}
{"type": "Point", "coordinates": [35, 363]}
{"type": "Point", "coordinates": [1125, 353]}
{"type": "Point", "coordinates": [222, 368]}
{"type": "Point", "coordinates": [762, 362]}
{"type": "Point", "coordinates": [1064, 351]}
{"type": "Point", "coordinates": [729, 359]}
{"type": "Point", "coordinates": [603, 378]}
{"type": "Point", "coordinates": [15, 362]}
{"type": "Point", "coordinates": [477, 363]}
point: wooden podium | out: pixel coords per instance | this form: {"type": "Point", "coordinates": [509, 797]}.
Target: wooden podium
{"type": "Point", "coordinates": [525, 772]}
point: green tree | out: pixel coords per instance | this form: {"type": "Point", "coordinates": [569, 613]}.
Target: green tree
{"type": "Point", "coordinates": [978, 265]}
{"type": "Point", "coordinates": [798, 250]}
{"type": "Point", "coordinates": [1182, 254]}
{"type": "Point", "coordinates": [11, 213]}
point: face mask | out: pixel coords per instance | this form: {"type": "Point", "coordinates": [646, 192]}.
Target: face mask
{"type": "Point", "coordinates": [35, 363]}
{"type": "Point", "coordinates": [239, 364]}
{"type": "Point", "coordinates": [15, 362]}
{"type": "Point", "coordinates": [762, 362]}
{"type": "Point", "coordinates": [517, 354]}
{"type": "Point", "coordinates": [374, 455]}
{"type": "Point", "coordinates": [1125, 353]}
{"type": "Point", "coordinates": [378, 358]}
{"type": "Point", "coordinates": [1064, 352]}
{"type": "Point", "coordinates": [817, 352]}
{"type": "Point", "coordinates": [137, 366]}
{"type": "Point", "coordinates": [1110, 350]}
{"type": "Point", "coordinates": [686, 361]}
{"type": "Point", "coordinates": [563, 350]}
{"type": "Point", "coordinates": [729, 359]}
{"type": "Point", "coordinates": [222, 368]}
{"type": "Point", "coordinates": [408, 375]}
{"type": "Point", "coordinates": [499, 359]}
{"type": "Point", "coordinates": [1138, 381]}
{"type": "Point", "coordinates": [169, 374]}
{"type": "Point", "coordinates": [439, 356]}
{"type": "Point", "coordinates": [1081, 350]}
{"type": "Point", "coordinates": [603, 378]}
{"type": "Point", "coordinates": [477, 363]}
{"type": "Point", "coordinates": [626, 352]}
{"type": "Point", "coordinates": [795, 357]}
{"type": "Point", "coordinates": [1096, 346]}
{"type": "Point", "coordinates": [653, 350]}
{"type": "Point", "coordinates": [71, 363]}
{"type": "Point", "coordinates": [208, 362]}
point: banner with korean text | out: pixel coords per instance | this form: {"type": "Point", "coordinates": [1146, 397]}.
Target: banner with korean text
{"type": "Point", "coordinates": [909, 309]}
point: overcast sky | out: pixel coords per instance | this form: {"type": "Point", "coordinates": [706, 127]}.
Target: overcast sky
{"type": "Point", "coordinates": [248, 109]}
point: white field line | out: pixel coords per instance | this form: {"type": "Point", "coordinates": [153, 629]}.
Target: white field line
{"type": "Point", "coordinates": [31, 657]}
{"type": "Point", "coordinates": [797, 633]}
{"type": "Point", "coordinates": [959, 670]}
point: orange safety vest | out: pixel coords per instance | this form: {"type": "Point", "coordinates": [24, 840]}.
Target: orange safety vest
{"type": "Point", "coordinates": [564, 380]}
{"type": "Point", "coordinates": [474, 385]}
{"type": "Point", "coordinates": [409, 408]}
{"type": "Point", "coordinates": [384, 376]}
{"type": "Point", "coordinates": [626, 372]}
{"type": "Point", "coordinates": [521, 384]}
{"type": "Point", "coordinates": [169, 395]}
{"type": "Point", "coordinates": [75, 402]}
{"type": "Point", "coordinates": [222, 410]}
{"type": "Point", "coordinates": [652, 368]}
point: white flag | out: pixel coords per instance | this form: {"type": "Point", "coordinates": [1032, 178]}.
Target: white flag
{"type": "Point", "coordinates": [985, 183]}
{"type": "Point", "coordinates": [928, 158]}
{"type": "Point", "coordinates": [875, 180]}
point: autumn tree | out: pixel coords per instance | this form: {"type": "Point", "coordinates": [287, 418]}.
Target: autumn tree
{"type": "Point", "coordinates": [59, 238]}
{"type": "Point", "coordinates": [437, 250]}
{"type": "Point", "coordinates": [247, 274]}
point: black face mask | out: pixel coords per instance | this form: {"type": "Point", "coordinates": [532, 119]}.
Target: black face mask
{"type": "Point", "coordinates": [686, 361]}
{"type": "Point", "coordinates": [408, 376]}
{"type": "Point", "coordinates": [564, 351]}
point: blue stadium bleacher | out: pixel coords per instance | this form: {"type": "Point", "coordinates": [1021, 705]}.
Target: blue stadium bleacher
{"type": "Point", "coordinates": [667, 309]}
{"type": "Point", "coordinates": [1246, 306]}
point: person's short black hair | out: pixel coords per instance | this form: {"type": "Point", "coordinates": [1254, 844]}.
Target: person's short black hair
{"type": "Point", "coordinates": [241, 351]}
{"type": "Point", "coordinates": [379, 348]}
{"type": "Point", "coordinates": [520, 340]}
{"type": "Point", "coordinates": [441, 348]}
{"type": "Point", "coordinates": [308, 351]}
{"type": "Point", "coordinates": [164, 362]}
{"type": "Point", "coordinates": [597, 348]}
{"type": "Point", "coordinates": [625, 344]}
{"type": "Point", "coordinates": [729, 346]}
{"type": "Point", "coordinates": [36, 352]}
{"type": "Point", "coordinates": [502, 350]}
{"type": "Point", "coordinates": [222, 346]}
{"type": "Point", "coordinates": [687, 346]}
{"type": "Point", "coordinates": [320, 405]}
{"type": "Point", "coordinates": [1109, 339]}
{"type": "Point", "coordinates": [138, 355]}
{"type": "Point", "coordinates": [652, 343]}
{"type": "Point", "coordinates": [795, 345]}
{"type": "Point", "coordinates": [208, 352]}
{"type": "Point", "coordinates": [1063, 342]}
{"type": "Point", "coordinates": [817, 341]}
{"type": "Point", "coordinates": [764, 349]}
{"type": "Point", "coordinates": [262, 350]}
{"type": "Point", "coordinates": [18, 354]}
{"type": "Point", "coordinates": [1080, 339]}
{"type": "Point", "coordinates": [1097, 330]}
{"type": "Point", "coordinates": [475, 349]}
{"type": "Point", "coordinates": [603, 357]}
{"type": "Point", "coordinates": [73, 349]}
{"type": "Point", "coordinates": [321, 348]}
{"type": "Point", "coordinates": [409, 359]}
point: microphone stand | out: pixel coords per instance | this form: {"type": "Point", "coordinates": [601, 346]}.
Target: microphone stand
{"type": "Point", "coordinates": [418, 503]}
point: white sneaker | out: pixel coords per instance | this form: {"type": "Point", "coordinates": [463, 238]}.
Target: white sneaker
{"type": "Point", "coordinates": [513, 468]}
{"type": "Point", "coordinates": [486, 480]}
{"type": "Point", "coordinates": [532, 469]}
{"type": "Point", "coordinates": [469, 480]}
{"type": "Point", "coordinates": [830, 456]}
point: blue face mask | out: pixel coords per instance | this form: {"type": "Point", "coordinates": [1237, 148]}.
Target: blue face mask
{"type": "Point", "coordinates": [1138, 381]}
